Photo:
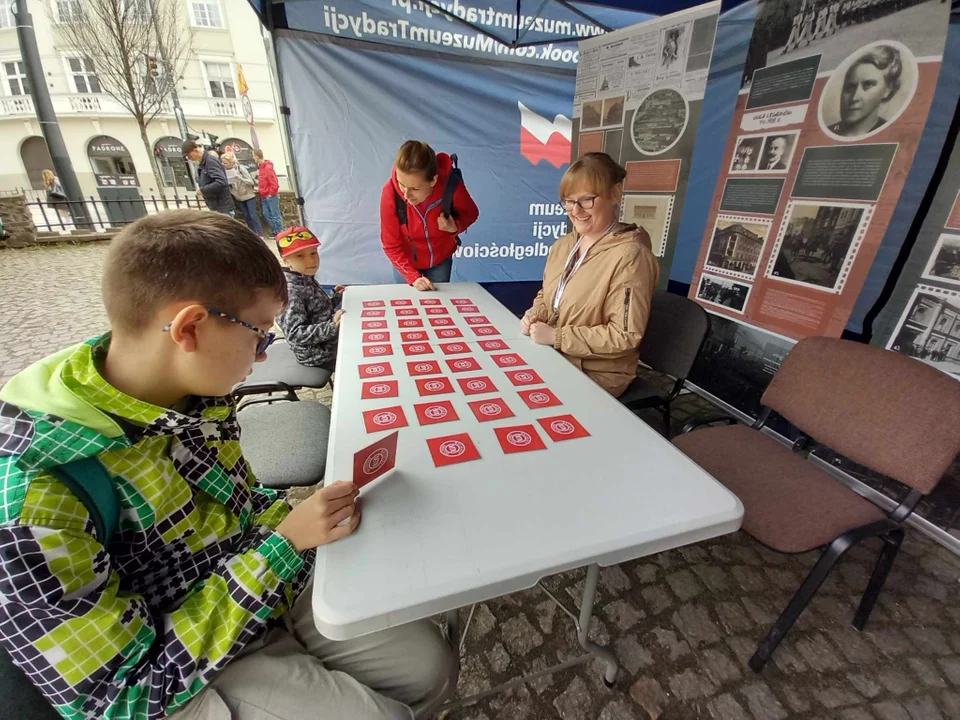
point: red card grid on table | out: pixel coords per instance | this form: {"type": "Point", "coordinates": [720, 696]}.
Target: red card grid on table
{"type": "Point", "coordinates": [476, 385]}
{"type": "Point", "coordinates": [491, 409]}
{"type": "Point", "coordinates": [461, 301]}
{"type": "Point", "coordinates": [508, 360]}
{"type": "Point", "coordinates": [434, 386]}
{"type": "Point", "coordinates": [376, 337]}
{"type": "Point", "coordinates": [539, 398]}
{"type": "Point", "coordinates": [441, 321]}
{"type": "Point", "coordinates": [424, 367]}
{"type": "Point", "coordinates": [374, 303]}
{"type": "Point", "coordinates": [459, 365]}
{"type": "Point", "coordinates": [478, 320]}
{"type": "Point", "coordinates": [410, 323]}
{"type": "Point", "coordinates": [401, 303]}
{"type": "Point", "coordinates": [414, 336]}
{"type": "Point", "coordinates": [380, 389]}
{"type": "Point", "coordinates": [523, 377]}
{"type": "Point", "coordinates": [437, 311]}
{"type": "Point", "coordinates": [373, 313]}
{"type": "Point", "coordinates": [468, 308]}
{"type": "Point", "coordinates": [519, 438]}
{"type": "Point", "coordinates": [452, 449]}
{"type": "Point", "coordinates": [439, 411]}
{"type": "Point", "coordinates": [455, 348]}
{"type": "Point", "coordinates": [374, 325]}
{"type": "Point", "coordinates": [388, 418]}
{"type": "Point", "coordinates": [417, 349]}
{"type": "Point", "coordinates": [448, 333]}
{"type": "Point", "coordinates": [563, 427]}
{"type": "Point", "coordinates": [377, 350]}
{"type": "Point", "coordinates": [375, 370]}
{"type": "Point", "coordinates": [430, 301]}
{"type": "Point", "coordinates": [406, 312]}
{"type": "Point", "coordinates": [375, 460]}
{"type": "Point", "coordinates": [490, 345]}
{"type": "Point", "coordinates": [482, 330]}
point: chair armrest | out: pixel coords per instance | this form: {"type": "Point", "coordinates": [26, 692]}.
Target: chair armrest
{"type": "Point", "coordinates": [266, 400]}
{"type": "Point", "coordinates": [263, 388]}
{"type": "Point", "coordinates": [709, 420]}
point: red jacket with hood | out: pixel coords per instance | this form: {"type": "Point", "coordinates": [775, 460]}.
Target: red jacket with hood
{"type": "Point", "coordinates": [267, 180]}
{"type": "Point", "coordinates": [421, 244]}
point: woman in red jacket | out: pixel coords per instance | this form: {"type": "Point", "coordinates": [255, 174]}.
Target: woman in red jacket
{"type": "Point", "coordinates": [418, 237]}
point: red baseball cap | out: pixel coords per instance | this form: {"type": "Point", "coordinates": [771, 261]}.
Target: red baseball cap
{"type": "Point", "coordinates": [295, 239]}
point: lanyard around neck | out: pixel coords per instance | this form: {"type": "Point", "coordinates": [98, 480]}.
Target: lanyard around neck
{"type": "Point", "coordinates": [571, 266]}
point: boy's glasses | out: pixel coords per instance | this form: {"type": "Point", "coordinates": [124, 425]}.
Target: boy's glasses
{"type": "Point", "coordinates": [266, 338]}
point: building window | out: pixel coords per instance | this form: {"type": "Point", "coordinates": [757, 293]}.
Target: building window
{"type": "Point", "coordinates": [84, 75]}
{"type": "Point", "coordinates": [6, 14]}
{"type": "Point", "coordinates": [69, 11]}
{"type": "Point", "coordinates": [220, 79]}
{"type": "Point", "coordinates": [206, 13]}
{"type": "Point", "coordinates": [136, 10]}
{"type": "Point", "coordinates": [15, 75]}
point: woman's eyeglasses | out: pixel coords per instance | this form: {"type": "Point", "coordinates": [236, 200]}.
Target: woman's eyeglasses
{"type": "Point", "coordinates": [266, 338]}
{"type": "Point", "coordinates": [583, 203]}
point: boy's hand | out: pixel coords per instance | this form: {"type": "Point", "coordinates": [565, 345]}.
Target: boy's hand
{"type": "Point", "coordinates": [423, 284]}
{"type": "Point", "coordinates": [336, 317]}
{"type": "Point", "coordinates": [447, 224]}
{"type": "Point", "coordinates": [340, 288]}
{"type": "Point", "coordinates": [314, 522]}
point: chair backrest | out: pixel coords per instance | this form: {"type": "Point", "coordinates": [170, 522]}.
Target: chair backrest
{"type": "Point", "coordinates": [896, 415]}
{"type": "Point", "coordinates": [674, 334]}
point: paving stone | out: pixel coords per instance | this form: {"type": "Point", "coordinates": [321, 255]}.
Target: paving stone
{"type": "Point", "coordinates": [760, 614]}
{"type": "Point", "coordinates": [746, 555]}
{"type": "Point", "coordinates": [695, 624]}
{"type": "Point", "coordinates": [725, 707]}
{"type": "Point", "coordinates": [669, 642]}
{"type": "Point", "coordinates": [498, 658]}
{"type": "Point", "coordinates": [657, 599]}
{"type": "Point", "coordinates": [646, 573]}
{"type": "Point", "coordinates": [762, 703]}
{"type": "Point", "coordinates": [928, 673]}
{"type": "Point", "coordinates": [719, 666]}
{"type": "Point", "coordinates": [929, 641]}
{"type": "Point", "coordinates": [482, 623]}
{"type": "Point", "coordinates": [544, 682]}
{"type": "Point", "coordinates": [743, 647]}
{"type": "Point", "coordinates": [950, 702]}
{"type": "Point", "coordinates": [618, 710]}
{"type": "Point", "coordinates": [922, 708]}
{"type": "Point", "coordinates": [865, 685]}
{"type": "Point", "coordinates": [855, 714]}
{"type": "Point", "coordinates": [684, 585]}
{"type": "Point", "coordinates": [545, 613]}
{"type": "Point", "coordinates": [474, 677]}
{"type": "Point", "coordinates": [853, 645]}
{"type": "Point", "coordinates": [818, 653]}
{"type": "Point", "coordinates": [733, 616]}
{"type": "Point", "coordinates": [749, 579]}
{"type": "Point", "coordinates": [835, 697]}
{"type": "Point", "coordinates": [783, 578]}
{"type": "Point", "coordinates": [925, 610]}
{"type": "Point", "coordinates": [895, 681]}
{"type": "Point", "coordinates": [891, 711]}
{"type": "Point", "coordinates": [574, 703]}
{"type": "Point", "coordinates": [797, 701]}
{"type": "Point", "coordinates": [649, 695]}
{"type": "Point", "coordinates": [691, 685]}
{"type": "Point", "coordinates": [614, 579]}
{"type": "Point", "coordinates": [520, 636]}
{"type": "Point", "coordinates": [633, 654]}
{"type": "Point", "coordinates": [951, 670]}
{"type": "Point", "coordinates": [623, 614]}
{"type": "Point", "coordinates": [668, 559]}
{"type": "Point", "coordinates": [714, 577]}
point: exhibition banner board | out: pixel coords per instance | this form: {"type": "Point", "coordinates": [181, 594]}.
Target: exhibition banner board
{"type": "Point", "coordinates": [639, 95]}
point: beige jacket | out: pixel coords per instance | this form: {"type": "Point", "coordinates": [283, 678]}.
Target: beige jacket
{"type": "Point", "coordinates": [604, 308]}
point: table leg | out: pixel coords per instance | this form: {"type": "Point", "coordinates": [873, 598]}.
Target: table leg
{"type": "Point", "coordinates": [586, 612]}
{"type": "Point", "coordinates": [453, 629]}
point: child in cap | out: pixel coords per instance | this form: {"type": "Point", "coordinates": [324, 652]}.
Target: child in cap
{"type": "Point", "coordinates": [310, 321]}
{"type": "Point", "coordinates": [192, 598]}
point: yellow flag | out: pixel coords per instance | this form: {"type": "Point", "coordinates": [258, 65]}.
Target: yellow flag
{"type": "Point", "coordinates": [241, 80]}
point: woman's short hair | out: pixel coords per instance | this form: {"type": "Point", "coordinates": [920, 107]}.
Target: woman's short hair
{"type": "Point", "coordinates": [417, 158]}
{"type": "Point", "coordinates": [887, 60]}
{"type": "Point", "coordinates": [595, 171]}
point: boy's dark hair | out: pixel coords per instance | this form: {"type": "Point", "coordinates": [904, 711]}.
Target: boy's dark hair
{"type": "Point", "coordinates": [417, 158]}
{"type": "Point", "coordinates": [188, 146]}
{"type": "Point", "coordinates": [205, 257]}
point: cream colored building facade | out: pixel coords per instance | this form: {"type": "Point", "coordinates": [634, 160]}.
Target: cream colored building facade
{"type": "Point", "coordinates": [101, 137]}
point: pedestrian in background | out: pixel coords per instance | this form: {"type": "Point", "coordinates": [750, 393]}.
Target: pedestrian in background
{"type": "Point", "coordinates": [56, 197]}
{"type": "Point", "coordinates": [212, 185]}
{"type": "Point", "coordinates": [244, 190]}
{"type": "Point", "coordinates": [269, 187]}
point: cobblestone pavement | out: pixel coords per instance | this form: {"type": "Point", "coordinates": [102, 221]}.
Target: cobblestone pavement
{"type": "Point", "coordinates": [683, 622]}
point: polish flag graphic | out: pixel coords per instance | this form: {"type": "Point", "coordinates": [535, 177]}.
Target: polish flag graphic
{"type": "Point", "coordinates": [541, 139]}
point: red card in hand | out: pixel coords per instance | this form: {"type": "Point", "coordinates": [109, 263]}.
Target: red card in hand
{"type": "Point", "coordinates": [437, 311]}
{"type": "Point", "coordinates": [375, 460]}
{"type": "Point", "coordinates": [417, 349]}
{"type": "Point", "coordinates": [448, 333]}
{"type": "Point", "coordinates": [440, 411]}
{"type": "Point", "coordinates": [375, 370]}
{"type": "Point", "coordinates": [441, 321]}
{"type": "Point", "coordinates": [492, 409]}
{"type": "Point", "coordinates": [376, 337]}
{"type": "Point", "coordinates": [430, 301]}
{"type": "Point", "coordinates": [434, 386]}
{"type": "Point", "coordinates": [388, 418]}
{"type": "Point", "coordinates": [509, 360]}
{"type": "Point", "coordinates": [459, 365]}
{"type": "Point", "coordinates": [377, 350]}
{"type": "Point", "coordinates": [424, 367]}
{"type": "Point", "coordinates": [373, 313]}
{"type": "Point", "coordinates": [452, 449]}
{"type": "Point", "coordinates": [468, 309]}
{"type": "Point", "coordinates": [476, 386]}
{"type": "Point", "coordinates": [380, 389]}
{"type": "Point", "coordinates": [411, 323]}
{"type": "Point", "coordinates": [401, 303]}
{"type": "Point", "coordinates": [406, 312]}
{"type": "Point", "coordinates": [482, 330]}
{"type": "Point", "coordinates": [374, 325]}
{"type": "Point", "coordinates": [455, 348]}
{"type": "Point", "coordinates": [461, 301]}
{"type": "Point", "coordinates": [414, 336]}
{"type": "Point", "coordinates": [519, 438]}
{"type": "Point", "coordinates": [374, 303]}
{"type": "Point", "coordinates": [478, 320]}
{"type": "Point", "coordinates": [489, 345]}
{"type": "Point", "coordinates": [539, 398]}
{"type": "Point", "coordinates": [524, 377]}
{"type": "Point", "coordinates": [563, 427]}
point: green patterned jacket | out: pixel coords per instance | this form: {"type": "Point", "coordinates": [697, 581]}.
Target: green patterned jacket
{"type": "Point", "coordinates": [193, 573]}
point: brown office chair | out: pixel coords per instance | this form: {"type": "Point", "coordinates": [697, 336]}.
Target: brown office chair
{"type": "Point", "coordinates": [878, 408]}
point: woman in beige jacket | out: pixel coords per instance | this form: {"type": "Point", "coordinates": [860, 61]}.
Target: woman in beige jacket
{"type": "Point", "coordinates": [598, 280]}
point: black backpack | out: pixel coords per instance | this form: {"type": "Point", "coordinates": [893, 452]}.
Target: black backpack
{"type": "Point", "coordinates": [454, 179]}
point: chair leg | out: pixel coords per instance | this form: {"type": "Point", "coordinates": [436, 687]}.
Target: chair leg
{"type": "Point", "coordinates": [891, 546]}
{"type": "Point", "coordinates": [666, 419]}
{"type": "Point", "coordinates": [797, 604]}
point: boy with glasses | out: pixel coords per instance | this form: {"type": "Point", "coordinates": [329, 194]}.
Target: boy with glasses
{"type": "Point", "coordinates": [198, 604]}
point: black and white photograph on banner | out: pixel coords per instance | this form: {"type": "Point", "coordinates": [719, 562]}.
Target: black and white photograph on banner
{"type": "Point", "coordinates": [817, 242]}
{"type": "Point", "coordinates": [653, 214]}
{"type": "Point", "coordinates": [723, 292]}
{"type": "Point", "coordinates": [929, 329]}
{"type": "Point", "coordinates": [944, 263]}
{"type": "Point", "coordinates": [789, 29]}
{"type": "Point", "coordinates": [777, 152]}
{"type": "Point", "coordinates": [869, 90]}
{"type": "Point", "coordinates": [591, 116]}
{"type": "Point", "coordinates": [673, 42]}
{"type": "Point", "coordinates": [702, 37]}
{"type": "Point", "coordinates": [737, 245]}
{"type": "Point", "coordinates": [613, 111]}
{"type": "Point", "coordinates": [746, 157]}
{"type": "Point", "coordinates": [659, 121]}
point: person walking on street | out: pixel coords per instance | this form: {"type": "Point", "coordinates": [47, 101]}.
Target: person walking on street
{"type": "Point", "coordinates": [56, 196]}
{"type": "Point", "coordinates": [244, 190]}
{"type": "Point", "coordinates": [212, 185]}
{"type": "Point", "coordinates": [269, 187]}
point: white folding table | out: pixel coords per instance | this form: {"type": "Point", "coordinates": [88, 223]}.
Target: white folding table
{"type": "Point", "coordinates": [435, 539]}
